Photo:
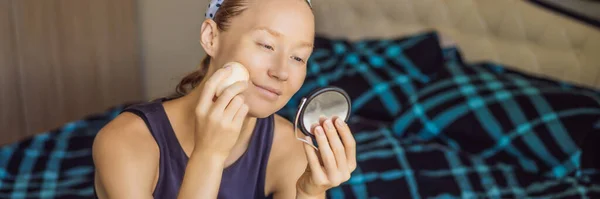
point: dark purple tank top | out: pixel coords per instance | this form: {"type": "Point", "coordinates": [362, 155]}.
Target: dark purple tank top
{"type": "Point", "coordinates": [245, 178]}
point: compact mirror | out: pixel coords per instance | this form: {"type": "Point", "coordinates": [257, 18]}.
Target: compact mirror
{"type": "Point", "coordinates": [326, 102]}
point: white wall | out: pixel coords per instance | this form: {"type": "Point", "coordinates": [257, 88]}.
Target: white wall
{"type": "Point", "coordinates": [169, 37]}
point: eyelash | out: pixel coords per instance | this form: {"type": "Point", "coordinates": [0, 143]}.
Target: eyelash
{"type": "Point", "coordinates": [298, 59]}
{"type": "Point", "coordinates": [267, 47]}
{"type": "Point", "coordinates": [272, 49]}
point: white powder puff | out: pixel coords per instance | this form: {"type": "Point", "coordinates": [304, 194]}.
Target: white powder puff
{"type": "Point", "coordinates": [238, 73]}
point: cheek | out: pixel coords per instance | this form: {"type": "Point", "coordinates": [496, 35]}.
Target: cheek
{"type": "Point", "coordinates": [257, 60]}
{"type": "Point", "coordinates": [296, 79]}
{"type": "Point", "coordinates": [254, 60]}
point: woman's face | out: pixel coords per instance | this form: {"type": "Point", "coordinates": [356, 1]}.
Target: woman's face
{"type": "Point", "coordinates": [273, 39]}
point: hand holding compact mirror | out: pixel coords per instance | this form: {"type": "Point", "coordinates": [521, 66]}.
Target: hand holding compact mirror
{"type": "Point", "coordinates": [326, 102]}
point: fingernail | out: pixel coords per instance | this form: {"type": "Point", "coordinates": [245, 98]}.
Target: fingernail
{"type": "Point", "coordinates": [313, 128]}
{"type": "Point", "coordinates": [319, 131]}
{"type": "Point", "coordinates": [227, 66]}
{"type": "Point", "coordinates": [339, 121]}
{"type": "Point", "coordinates": [329, 124]}
{"type": "Point", "coordinates": [322, 119]}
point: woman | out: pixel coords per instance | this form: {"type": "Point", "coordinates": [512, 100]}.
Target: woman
{"type": "Point", "coordinates": [234, 146]}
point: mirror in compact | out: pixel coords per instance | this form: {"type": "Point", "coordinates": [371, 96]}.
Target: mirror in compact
{"type": "Point", "coordinates": [329, 102]}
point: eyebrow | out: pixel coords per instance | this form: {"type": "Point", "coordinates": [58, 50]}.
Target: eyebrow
{"type": "Point", "coordinates": [270, 31]}
{"type": "Point", "coordinates": [306, 44]}
{"type": "Point", "coordinates": [278, 34]}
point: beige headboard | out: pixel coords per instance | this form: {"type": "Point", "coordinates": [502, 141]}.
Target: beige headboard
{"type": "Point", "coordinates": [512, 32]}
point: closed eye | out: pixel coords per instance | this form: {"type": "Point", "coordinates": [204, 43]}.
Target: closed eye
{"type": "Point", "coordinates": [269, 47]}
{"type": "Point", "coordinates": [298, 59]}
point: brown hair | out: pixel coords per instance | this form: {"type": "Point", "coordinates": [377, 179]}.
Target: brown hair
{"type": "Point", "coordinates": [227, 10]}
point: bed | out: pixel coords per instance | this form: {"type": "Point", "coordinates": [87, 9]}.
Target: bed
{"type": "Point", "coordinates": [451, 99]}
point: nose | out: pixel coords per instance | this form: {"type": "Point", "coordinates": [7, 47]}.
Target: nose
{"type": "Point", "coordinates": [279, 70]}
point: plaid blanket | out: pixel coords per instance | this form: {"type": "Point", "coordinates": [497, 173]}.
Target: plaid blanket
{"type": "Point", "coordinates": [414, 168]}
{"type": "Point", "coordinates": [55, 164]}
{"type": "Point", "coordinates": [58, 164]}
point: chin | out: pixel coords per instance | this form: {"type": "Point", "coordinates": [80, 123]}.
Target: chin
{"type": "Point", "coordinates": [260, 108]}
{"type": "Point", "coordinates": [259, 113]}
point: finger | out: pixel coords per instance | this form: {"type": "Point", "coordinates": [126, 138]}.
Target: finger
{"type": "Point", "coordinates": [240, 115]}
{"type": "Point", "coordinates": [313, 161]}
{"type": "Point", "coordinates": [209, 89]}
{"type": "Point", "coordinates": [233, 107]}
{"type": "Point", "coordinates": [322, 120]}
{"type": "Point", "coordinates": [326, 153]}
{"type": "Point", "coordinates": [228, 94]}
{"type": "Point", "coordinates": [348, 141]}
{"type": "Point", "coordinates": [336, 146]}
{"type": "Point", "coordinates": [321, 123]}
{"type": "Point", "coordinates": [312, 128]}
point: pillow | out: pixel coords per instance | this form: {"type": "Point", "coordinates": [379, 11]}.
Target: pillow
{"type": "Point", "coordinates": [504, 115]}
{"type": "Point", "coordinates": [378, 74]}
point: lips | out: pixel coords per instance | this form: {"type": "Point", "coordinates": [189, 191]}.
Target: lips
{"type": "Point", "coordinates": [270, 89]}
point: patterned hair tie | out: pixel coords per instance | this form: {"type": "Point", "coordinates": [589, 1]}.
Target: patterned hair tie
{"type": "Point", "coordinates": [214, 6]}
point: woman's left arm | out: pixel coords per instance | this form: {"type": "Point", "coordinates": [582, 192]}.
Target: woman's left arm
{"type": "Point", "coordinates": [325, 169]}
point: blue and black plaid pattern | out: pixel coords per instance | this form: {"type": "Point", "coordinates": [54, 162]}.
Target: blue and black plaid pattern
{"type": "Point", "coordinates": [375, 73]}
{"type": "Point", "coordinates": [55, 164]}
{"type": "Point", "coordinates": [389, 167]}
{"type": "Point", "coordinates": [503, 115]}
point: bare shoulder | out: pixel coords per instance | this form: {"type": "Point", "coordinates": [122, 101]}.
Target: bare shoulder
{"type": "Point", "coordinates": [124, 152]}
{"type": "Point", "coordinates": [287, 161]}
{"type": "Point", "coordinates": [126, 133]}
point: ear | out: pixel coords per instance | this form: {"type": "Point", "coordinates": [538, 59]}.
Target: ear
{"type": "Point", "coordinates": [208, 37]}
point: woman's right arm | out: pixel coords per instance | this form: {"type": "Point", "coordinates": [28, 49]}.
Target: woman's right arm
{"type": "Point", "coordinates": [218, 125]}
